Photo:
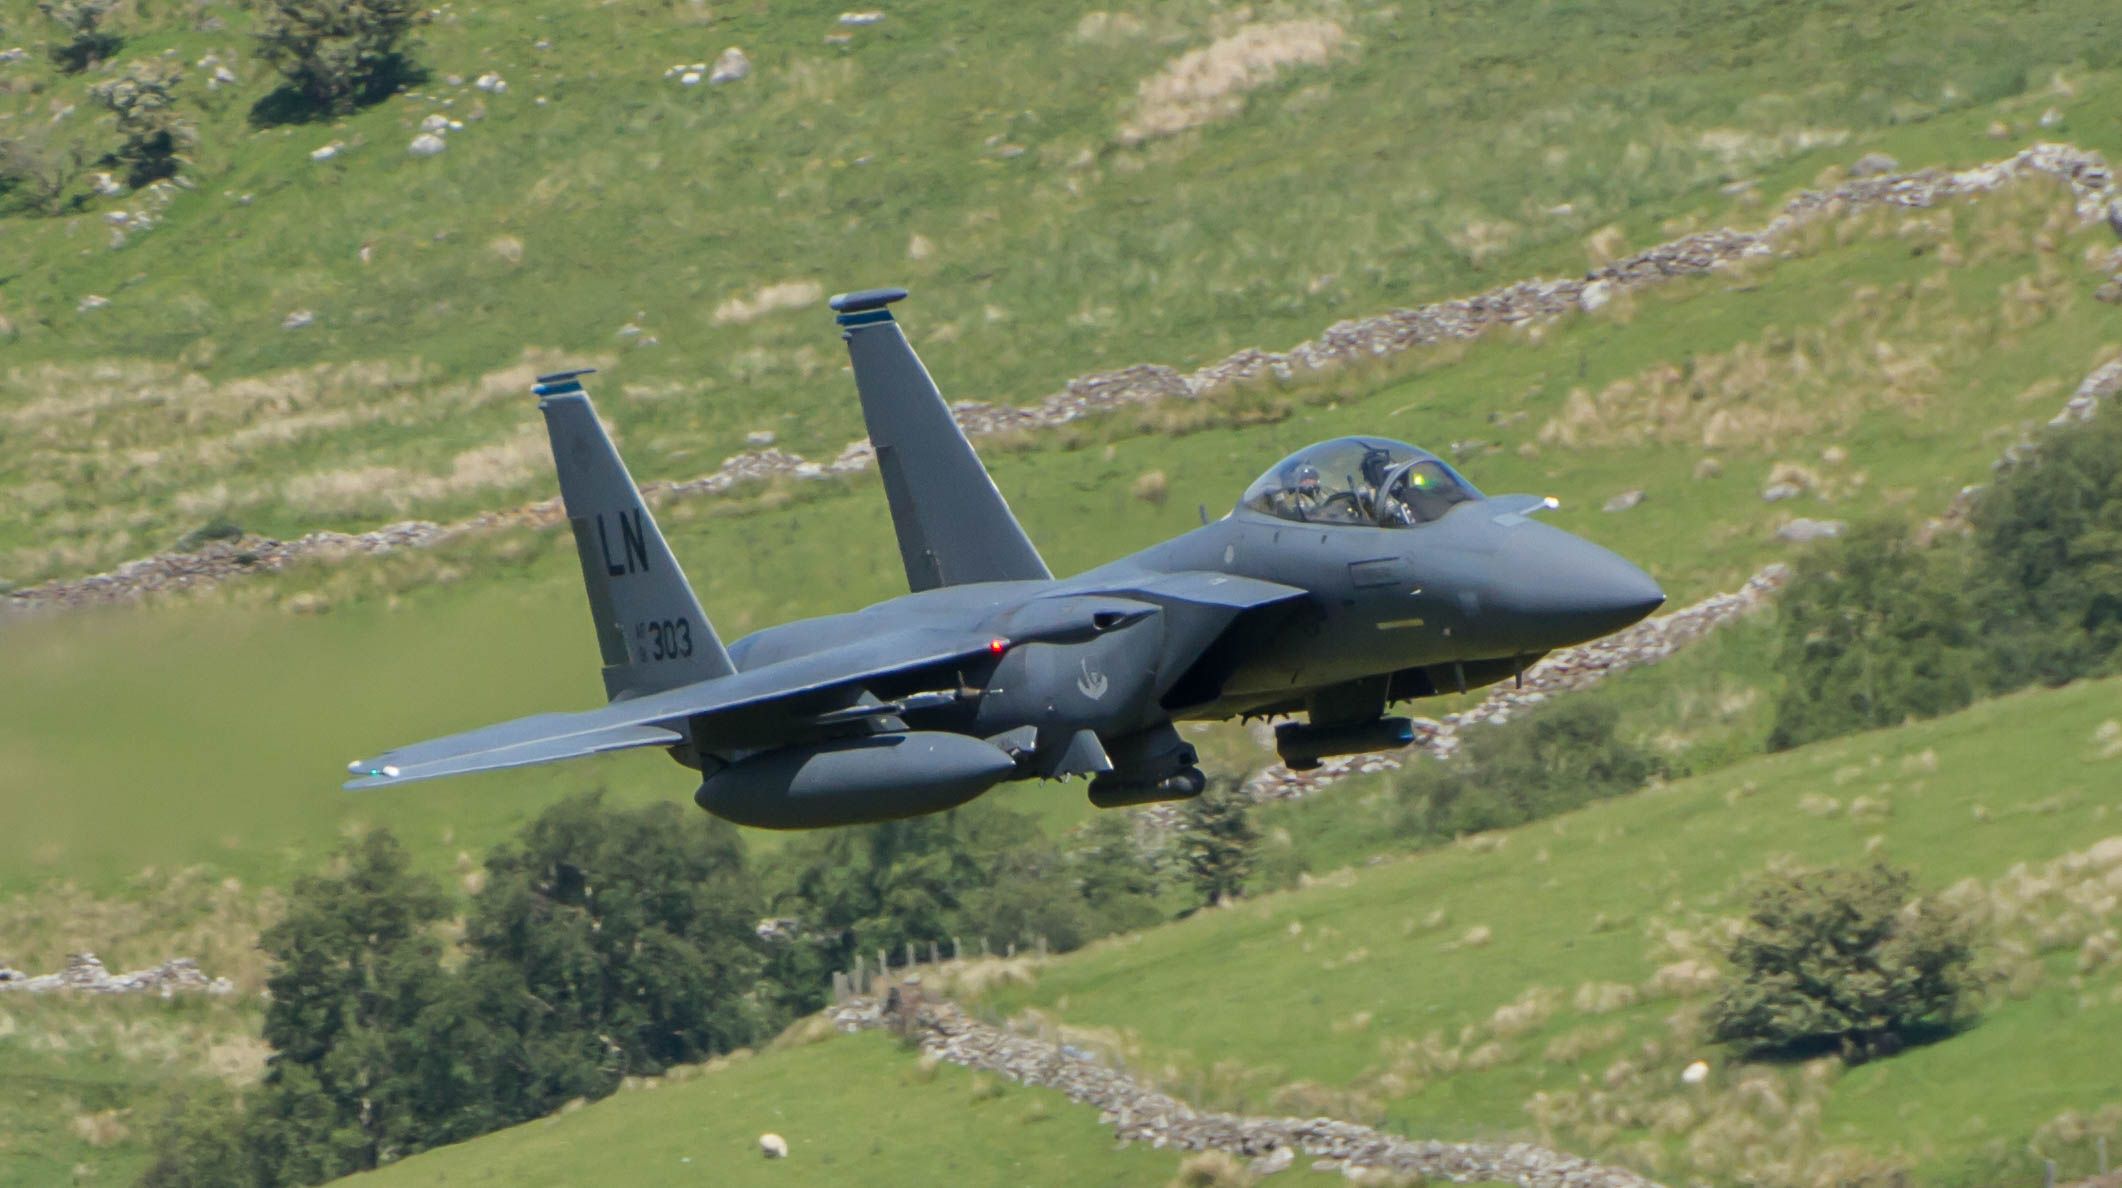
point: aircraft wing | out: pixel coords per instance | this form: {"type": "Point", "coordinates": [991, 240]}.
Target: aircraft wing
{"type": "Point", "coordinates": [652, 720]}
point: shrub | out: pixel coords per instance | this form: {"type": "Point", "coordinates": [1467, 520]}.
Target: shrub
{"type": "Point", "coordinates": [38, 168]}
{"type": "Point", "coordinates": [2048, 556]}
{"type": "Point", "coordinates": [1875, 630]}
{"type": "Point", "coordinates": [1842, 958]}
{"type": "Point", "coordinates": [83, 41]}
{"type": "Point", "coordinates": [1216, 842]}
{"type": "Point", "coordinates": [1564, 755]}
{"type": "Point", "coordinates": [338, 54]}
{"type": "Point", "coordinates": [151, 133]}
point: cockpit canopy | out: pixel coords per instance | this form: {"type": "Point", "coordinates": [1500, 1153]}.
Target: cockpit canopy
{"type": "Point", "coordinates": [1360, 480]}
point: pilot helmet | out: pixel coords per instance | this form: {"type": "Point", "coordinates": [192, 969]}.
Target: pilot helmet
{"type": "Point", "coordinates": [1305, 478]}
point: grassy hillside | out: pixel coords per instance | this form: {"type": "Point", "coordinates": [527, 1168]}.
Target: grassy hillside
{"type": "Point", "coordinates": [1061, 199]}
{"type": "Point", "coordinates": [1879, 367]}
{"type": "Point", "coordinates": [1546, 980]}
{"type": "Point", "coordinates": [852, 1108]}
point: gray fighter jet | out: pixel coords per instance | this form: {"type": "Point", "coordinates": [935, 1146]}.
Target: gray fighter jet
{"type": "Point", "coordinates": [1355, 574]}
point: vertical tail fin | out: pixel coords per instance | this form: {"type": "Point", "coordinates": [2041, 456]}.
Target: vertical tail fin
{"type": "Point", "coordinates": [952, 522]}
{"type": "Point", "coordinates": [649, 625]}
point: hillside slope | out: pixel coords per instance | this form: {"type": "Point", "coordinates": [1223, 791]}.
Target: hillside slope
{"type": "Point", "coordinates": [1063, 200]}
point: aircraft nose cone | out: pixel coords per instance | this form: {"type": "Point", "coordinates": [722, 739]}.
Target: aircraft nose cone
{"type": "Point", "coordinates": [1557, 589]}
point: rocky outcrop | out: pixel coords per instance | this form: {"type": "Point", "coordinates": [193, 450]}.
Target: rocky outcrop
{"type": "Point", "coordinates": [85, 974]}
{"type": "Point", "coordinates": [2093, 196]}
{"type": "Point", "coordinates": [1139, 1114]}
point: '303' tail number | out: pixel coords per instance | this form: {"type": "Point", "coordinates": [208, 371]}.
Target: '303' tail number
{"type": "Point", "coordinates": [663, 639]}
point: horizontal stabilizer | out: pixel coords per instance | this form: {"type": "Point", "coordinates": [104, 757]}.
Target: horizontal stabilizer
{"type": "Point", "coordinates": [543, 738]}
{"type": "Point", "coordinates": [522, 754]}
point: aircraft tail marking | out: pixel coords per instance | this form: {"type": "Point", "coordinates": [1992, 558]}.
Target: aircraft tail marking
{"type": "Point", "coordinates": [650, 628]}
{"type": "Point", "coordinates": [953, 525]}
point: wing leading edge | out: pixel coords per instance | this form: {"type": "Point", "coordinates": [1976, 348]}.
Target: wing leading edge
{"type": "Point", "coordinates": [656, 719]}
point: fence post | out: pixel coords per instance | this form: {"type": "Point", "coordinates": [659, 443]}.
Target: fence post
{"type": "Point", "coordinates": [934, 954]}
{"type": "Point", "coordinates": [861, 974]}
{"type": "Point", "coordinates": [1042, 946]}
{"type": "Point", "coordinates": [983, 948]}
{"type": "Point", "coordinates": [2048, 1173]}
{"type": "Point", "coordinates": [909, 955]}
{"type": "Point", "coordinates": [1011, 952]}
{"type": "Point", "coordinates": [954, 954]}
{"type": "Point", "coordinates": [884, 966]}
{"type": "Point", "coordinates": [2101, 1143]}
{"type": "Point", "coordinates": [839, 986]}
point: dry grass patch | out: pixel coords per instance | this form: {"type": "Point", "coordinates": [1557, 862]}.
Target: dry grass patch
{"type": "Point", "coordinates": [1209, 84]}
{"type": "Point", "coordinates": [771, 299]}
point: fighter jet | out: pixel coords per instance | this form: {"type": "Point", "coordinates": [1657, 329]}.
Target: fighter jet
{"type": "Point", "coordinates": [1355, 574]}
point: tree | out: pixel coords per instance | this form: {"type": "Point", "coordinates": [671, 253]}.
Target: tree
{"type": "Point", "coordinates": [606, 942]}
{"type": "Point", "coordinates": [83, 41]}
{"type": "Point", "coordinates": [1116, 878]}
{"type": "Point", "coordinates": [882, 886]}
{"type": "Point", "coordinates": [2048, 556]}
{"type": "Point", "coordinates": [151, 133]}
{"type": "Point", "coordinates": [1875, 630]}
{"type": "Point", "coordinates": [338, 54]}
{"type": "Point", "coordinates": [1216, 842]}
{"type": "Point", "coordinates": [1841, 957]}
{"type": "Point", "coordinates": [355, 963]}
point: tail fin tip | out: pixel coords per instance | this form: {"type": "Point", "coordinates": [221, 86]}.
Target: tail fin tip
{"type": "Point", "coordinates": [559, 383]}
{"type": "Point", "coordinates": [863, 300]}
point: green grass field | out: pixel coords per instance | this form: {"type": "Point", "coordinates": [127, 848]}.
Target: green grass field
{"type": "Point", "coordinates": [854, 1109]}
{"type": "Point", "coordinates": [1444, 993]}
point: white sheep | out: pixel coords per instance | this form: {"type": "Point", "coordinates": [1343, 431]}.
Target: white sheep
{"type": "Point", "coordinates": [773, 1146]}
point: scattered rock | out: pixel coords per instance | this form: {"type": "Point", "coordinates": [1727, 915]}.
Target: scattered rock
{"type": "Point", "coordinates": [730, 67]}
{"type": "Point", "coordinates": [1624, 501]}
{"type": "Point", "coordinates": [326, 153]}
{"type": "Point", "coordinates": [1708, 468]}
{"type": "Point", "coordinates": [297, 320]}
{"type": "Point", "coordinates": [427, 144]}
{"type": "Point", "coordinates": [492, 84]}
{"type": "Point", "coordinates": [1695, 1073]}
{"type": "Point", "coordinates": [1874, 165]}
{"type": "Point", "coordinates": [1596, 295]}
{"type": "Point", "coordinates": [759, 437]}
{"type": "Point", "coordinates": [1804, 531]}
{"type": "Point", "coordinates": [2050, 118]}
{"type": "Point", "coordinates": [93, 301]}
{"type": "Point", "coordinates": [861, 18]}
{"type": "Point", "coordinates": [1778, 492]}
{"type": "Point", "coordinates": [690, 78]}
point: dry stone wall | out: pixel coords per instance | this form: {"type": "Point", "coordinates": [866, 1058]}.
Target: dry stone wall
{"type": "Point", "coordinates": [1140, 1114]}
{"type": "Point", "coordinates": [85, 974]}
{"type": "Point", "coordinates": [2093, 195]}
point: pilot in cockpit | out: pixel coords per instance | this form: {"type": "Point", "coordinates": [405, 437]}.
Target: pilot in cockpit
{"type": "Point", "coordinates": [1299, 496]}
{"type": "Point", "coordinates": [1381, 496]}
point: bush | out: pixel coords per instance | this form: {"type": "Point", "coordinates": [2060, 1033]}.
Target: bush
{"type": "Point", "coordinates": [338, 54]}
{"type": "Point", "coordinates": [2048, 556]}
{"type": "Point", "coordinates": [151, 133]}
{"type": "Point", "coordinates": [1875, 630]}
{"type": "Point", "coordinates": [83, 41]}
{"type": "Point", "coordinates": [38, 169]}
{"type": "Point", "coordinates": [1565, 755]}
{"type": "Point", "coordinates": [1841, 958]}
{"type": "Point", "coordinates": [1216, 842]}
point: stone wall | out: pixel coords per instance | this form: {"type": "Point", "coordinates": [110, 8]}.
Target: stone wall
{"type": "Point", "coordinates": [1139, 1114]}
{"type": "Point", "coordinates": [85, 974]}
{"type": "Point", "coordinates": [1343, 344]}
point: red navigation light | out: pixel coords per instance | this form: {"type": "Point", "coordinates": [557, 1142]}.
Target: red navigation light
{"type": "Point", "coordinates": [997, 646]}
